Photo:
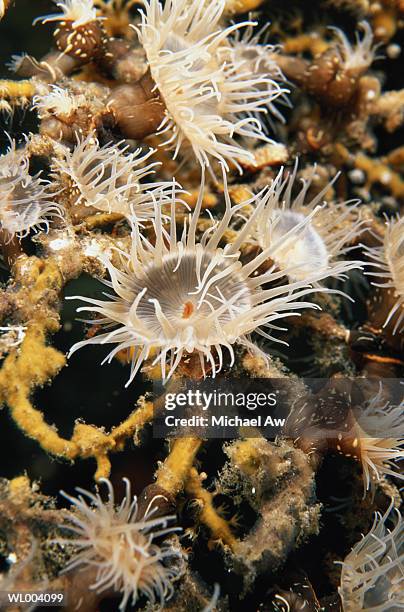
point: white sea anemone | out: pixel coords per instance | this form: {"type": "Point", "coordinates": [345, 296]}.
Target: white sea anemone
{"type": "Point", "coordinates": [109, 177]}
{"type": "Point", "coordinates": [357, 57]}
{"type": "Point", "coordinates": [174, 297]}
{"type": "Point", "coordinates": [379, 440]}
{"type": "Point", "coordinates": [259, 57]}
{"type": "Point", "coordinates": [388, 261]}
{"type": "Point", "coordinates": [79, 12]}
{"type": "Point", "coordinates": [57, 101]}
{"type": "Point", "coordinates": [16, 61]}
{"type": "Point", "coordinates": [121, 546]}
{"type": "Point", "coordinates": [305, 234]}
{"type": "Point", "coordinates": [372, 576]}
{"type": "Point", "coordinates": [25, 200]}
{"type": "Point", "coordinates": [209, 92]}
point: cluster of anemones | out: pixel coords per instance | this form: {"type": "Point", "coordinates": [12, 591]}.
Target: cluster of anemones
{"type": "Point", "coordinates": [203, 86]}
{"type": "Point", "coordinates": [177, 296]}
{"type": "Point", "coordinates": [196, 293]}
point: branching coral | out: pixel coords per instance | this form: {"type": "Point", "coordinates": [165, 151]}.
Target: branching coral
{"type": "Point", "coordinates": [373, 572]}
{"type": "Point", "coordinates": [121, 545]}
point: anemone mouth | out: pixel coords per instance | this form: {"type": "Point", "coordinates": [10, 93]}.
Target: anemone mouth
{"type": "Point", "coordinates": [179, 292]}
{"type": "Point", "coordinates": [304, 251]}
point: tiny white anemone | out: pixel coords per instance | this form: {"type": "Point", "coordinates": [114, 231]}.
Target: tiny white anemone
{"type": "Point", "coordinates": [16, 60]}
{"type": "Point", "coordinates": [79, 12]}
{"type": "Point", "coordinates": [25, 200]}
{"type": "Point", "coordinates": [389, 259]}
{"type": "Point", "coordinates": [306, 234]}
{"type": "Point", "coordinates": [57, 101]}
{"type": "Point", "coordinates": [174, 297]}
{"type": "Point", "coordinates": [372, 576]}
{"type": "Point", "coordinates": [120, 545]}
{"type": "Point", "coordinates": [251, 48]}
{"type": "Point", "coordinates": [357, 57]}
{"type": "Point", "coordinates": [109, 177]}
{"type": "Point", "coordinates": [380, 440]}
{"type": "Point", "coordinates": [210, 95]}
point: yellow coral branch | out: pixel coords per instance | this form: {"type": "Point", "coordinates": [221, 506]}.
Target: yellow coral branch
{"type": "Point", "coordinates": [242, 6]}
{"type": "Point", "coordinates": [301, 43]}
{"type": "Point", "coordinates": [35, 363]}
{"type": "Point", "coordinates": [172, 474]}
{"type": "Point", "coordinates": [99, 220]}
{"type": "Point", "coordinates": [208, 515]}
{"type": "Point", "coordinates": [16, 89]}
{"type": "Point", "coordinates": [132, 425]}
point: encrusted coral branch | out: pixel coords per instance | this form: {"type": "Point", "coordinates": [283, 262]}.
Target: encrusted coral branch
{"type": "Point", "coordinates": [17, 89]}
{"type": "Point", "coordinates": [173, 473]}
{"type": "Point", "coordinates": [208, 515]}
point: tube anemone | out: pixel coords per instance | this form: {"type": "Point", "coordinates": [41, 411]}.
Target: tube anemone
{"type": "Point", "coordinates": [79, 32]}
{"type": "Point", "coordinates": [388, 261]}
{"type": "Point", "coordinates": [109, 178]}
{"type": "Point", "coordinates": [79, 12]}
{"type": "Point", "coordinates": [175, 297]}
{"type": "Point", "coordinates": [209, 92]}
{"type": "Point", "coordinates": [25, 200]}
{"type": "Point", "coordinates": [305, 234]}
{"type": "Point", "coordinates": [376, 440]}
{"type": "Point", "coordinates": [358, 57]}
{"type": "Point", "coordinates": [372, 576]}
{"type": "Point", "coordinates": [120, 545]}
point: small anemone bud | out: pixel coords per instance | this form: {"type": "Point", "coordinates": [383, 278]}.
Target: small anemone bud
{"type": "Point", "coordinates": [373, 437]}
{"type": "Point", "coordinates": [121, 61]}
{"type": "Point", "coordinates": [83, 42]}
{"type": "Point", "coordinates": [49, 69]}
{"type": "Point", "coordinates": [137, 110]}
{"type": "Point", "coordinates": [333, 76]}
{"type": "Point", "coordinates": [79, 32]}
{"type": "Point", "coordinates": [64, 113]}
